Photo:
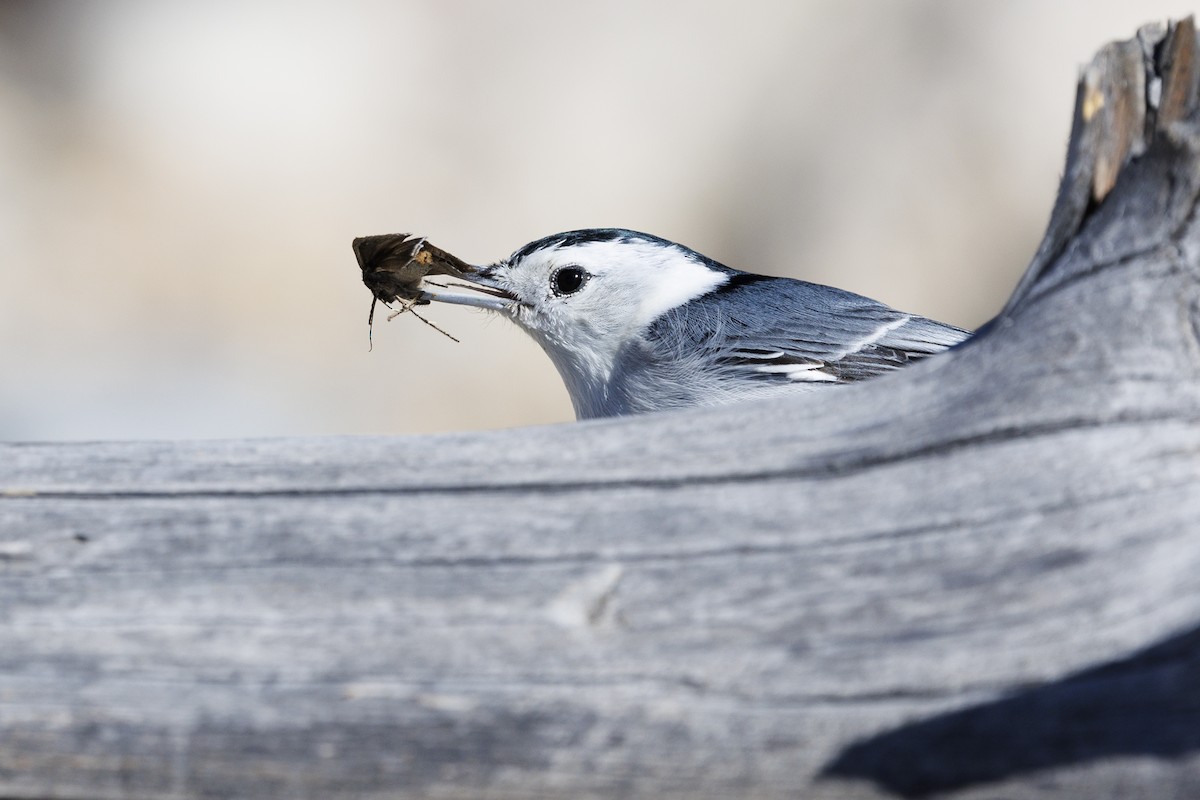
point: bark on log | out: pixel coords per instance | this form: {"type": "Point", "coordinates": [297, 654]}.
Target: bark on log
{"type": "Point", "coordinates": [978, 577]}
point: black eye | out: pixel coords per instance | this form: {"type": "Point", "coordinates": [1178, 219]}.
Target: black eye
{"type": "Point", "coordinates": [568, 280]}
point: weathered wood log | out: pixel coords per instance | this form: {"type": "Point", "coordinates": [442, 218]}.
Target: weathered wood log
{"type": "Point", "coordinates": [977, 577]}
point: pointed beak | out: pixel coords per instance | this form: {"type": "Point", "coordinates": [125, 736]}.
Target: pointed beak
{"type": "Point", "coordinates": [483, 289]}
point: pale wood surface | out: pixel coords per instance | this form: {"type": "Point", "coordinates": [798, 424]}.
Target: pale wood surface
{"type": "Point", "coordinates": [976, 578]}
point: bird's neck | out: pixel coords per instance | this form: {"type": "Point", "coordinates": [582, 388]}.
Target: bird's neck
{"type": "Point", "coordinates": [588, 379]}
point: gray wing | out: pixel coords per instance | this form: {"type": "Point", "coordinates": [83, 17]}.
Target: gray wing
{"type": "Point", "coordinates": [776, 330]}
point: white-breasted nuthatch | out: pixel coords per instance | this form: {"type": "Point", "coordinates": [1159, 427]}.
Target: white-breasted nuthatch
{"type": "Point", "coordinates": [637, 323]}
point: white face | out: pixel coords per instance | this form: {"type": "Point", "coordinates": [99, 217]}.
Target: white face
{"type": "Point", "coordinates": [588, 299]}
{"type": "Point", "coordinates": [585, 298]}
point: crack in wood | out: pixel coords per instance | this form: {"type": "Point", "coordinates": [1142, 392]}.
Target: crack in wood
{"type": "Point", "coordinates": [833, 466]}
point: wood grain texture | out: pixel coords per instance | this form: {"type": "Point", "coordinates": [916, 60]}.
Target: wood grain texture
{"type": "Point", "coordinates": [975, 578]}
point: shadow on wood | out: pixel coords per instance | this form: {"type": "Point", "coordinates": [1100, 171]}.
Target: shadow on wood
{"type": "Point", "coordinates": [1144, 705]}
{"type": "Point", "coordinates": [976, 577]}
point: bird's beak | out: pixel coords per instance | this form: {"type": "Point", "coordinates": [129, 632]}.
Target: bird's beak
{"type": "Point", "coordinates": [486, 291]}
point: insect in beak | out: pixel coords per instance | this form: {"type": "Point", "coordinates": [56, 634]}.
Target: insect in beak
{"type": "Point", "coordinates": [396, 268]}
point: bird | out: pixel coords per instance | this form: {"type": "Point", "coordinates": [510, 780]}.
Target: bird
{"type": "Point", "coordinates": [635, 323]}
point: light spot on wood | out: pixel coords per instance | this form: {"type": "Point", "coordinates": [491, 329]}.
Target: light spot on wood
{"type": "Point", "coordinates": [1093, 101]}
{"type": "Point", "coordinates": [456, 703]}
{"type": "Point", "coordinates": [12, 551]}
{"type": "Point", "coordinates": [586, 602]}
{"type": "Point", "coordinates": [374, 690]}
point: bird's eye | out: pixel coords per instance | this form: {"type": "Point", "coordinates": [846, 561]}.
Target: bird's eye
{"type": "Point", "coordinates": [568, 280]}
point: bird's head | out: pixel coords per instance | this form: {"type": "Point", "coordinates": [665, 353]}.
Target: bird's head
{"type": "Point", "coordinates": [584, 295]}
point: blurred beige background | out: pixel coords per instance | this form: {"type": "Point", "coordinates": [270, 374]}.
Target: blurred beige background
{"type": "Point", "coordinates": [180, 182]}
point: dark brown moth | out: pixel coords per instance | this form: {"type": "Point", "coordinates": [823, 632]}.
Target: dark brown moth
{"type": "Point", "coordinates": [393, 266]}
